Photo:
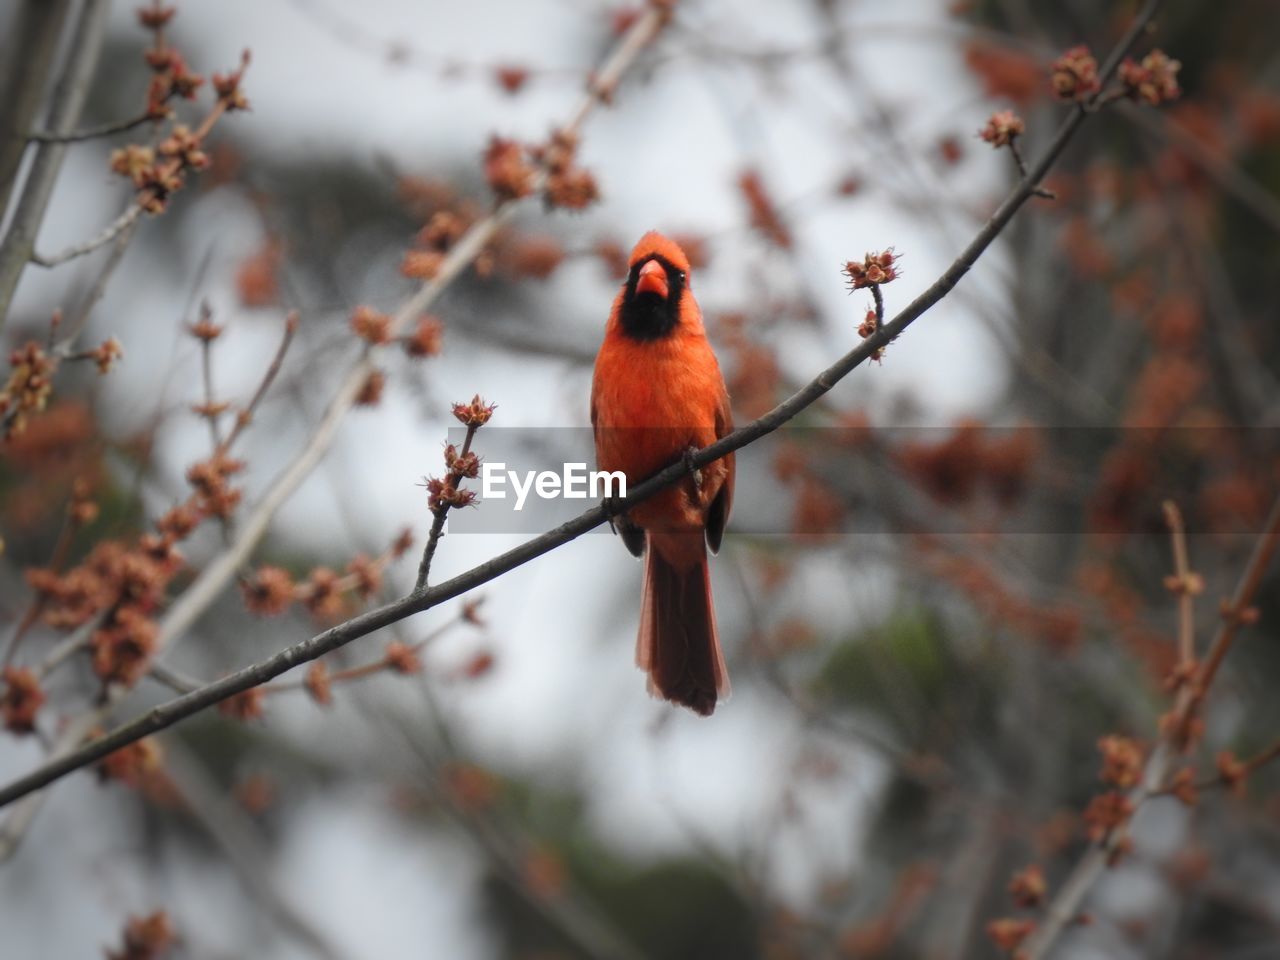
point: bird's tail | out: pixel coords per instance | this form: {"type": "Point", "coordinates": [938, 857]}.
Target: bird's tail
{"type": "Point", "coordinates": [678, 644]}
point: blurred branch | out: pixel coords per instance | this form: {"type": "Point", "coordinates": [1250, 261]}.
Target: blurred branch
{"type": "Point", "coordinates": [65, 106]}
{"type": "Point", "coordinates": [90, 133]}
{"type": "Point", "coordinates": [108, 233]}
{"type": "Point", "coordinates": [1065, 906]}
{"type": "Point", "coordinates": [395, 51]}
{"type": "Point", "coordinates": [233, 831]}
{"type": "Point", "coordinates": [211, 581]}
{"type": "Point", "coordinates": [245, 416]}
{"type": "Point", "coordinates": [506, 846]}
{"type": "Point", "coordinates": [1230, 177]}
{"type": "Point", "coordinates": [28, 51]}
{"type": "Point", "coordinates": [1182, 571]}
{"type": "Point", "coordinates": [19, 819]}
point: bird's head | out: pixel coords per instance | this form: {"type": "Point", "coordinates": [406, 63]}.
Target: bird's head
{"type": "Point", "coordinates": [656, 291]}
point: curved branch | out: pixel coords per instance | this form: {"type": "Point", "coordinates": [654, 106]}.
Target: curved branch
{"type": "Point", "coordinates": [169, 713]}
{"type": "Point", "coordinates": [101, 239]}
{"type": "Point", "coordinates": [90, 133]}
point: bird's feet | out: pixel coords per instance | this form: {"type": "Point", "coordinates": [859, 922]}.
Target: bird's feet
{"type": "Point", "coordinates": [694, 471]}
{"type": "Point", "coordinates": [612, 507]}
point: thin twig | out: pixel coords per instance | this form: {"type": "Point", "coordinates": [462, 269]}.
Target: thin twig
{"type": "Point", "coordinates": [245, 416]}
{"type": "Point", "coordinates": [206, 375]}
{"type": "Point", "coordinates": [1245, 769]}
{"type": "Point", "coordinates": [32, 614]}
{"type": "Point", "coordinates": [76, 323]}
{"type": "Point", "coordinates": [239, 839]}
{"type": "Point", "coordinates": [1016, 153]}
{"type": "Point", "coordinates": [167, 714]}
{"type": "Point", "coordinates": [73, 643]}
{"type": "Point", "coordinates": [441, 512]}
{"type": "Point", "coordinates": [89, 133]}
{"type": "Point", "coordinates": [101, 239]}
{"type": "Point", "coordinates": [1182, 571]}
{"type": "Point", "coordinates": [1233, 612]}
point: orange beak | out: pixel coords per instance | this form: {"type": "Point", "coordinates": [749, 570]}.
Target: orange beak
{"type": "Point", "coordinates": [652, 279]}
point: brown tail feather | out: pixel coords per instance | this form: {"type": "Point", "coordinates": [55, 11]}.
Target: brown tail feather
{"type": "Point", "coordinates": [678, 644]}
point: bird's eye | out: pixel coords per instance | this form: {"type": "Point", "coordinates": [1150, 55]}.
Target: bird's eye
{"type": "Point", "coordinates": [681, 276]}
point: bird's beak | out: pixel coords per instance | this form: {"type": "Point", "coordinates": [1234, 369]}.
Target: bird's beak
{"type": "Point", "coordinates": [653, 279]}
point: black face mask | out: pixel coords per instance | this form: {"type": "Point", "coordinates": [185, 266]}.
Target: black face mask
{"type": "Point", "coordinates": [648, 316]}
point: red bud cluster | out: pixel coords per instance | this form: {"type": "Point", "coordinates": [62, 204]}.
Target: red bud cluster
{"type": "Point", "coordinates": [371, 326]}
{"type": "Point", "coordinates": [20, 699]}
{"type": "Point", "coordinates": [427, 338]}
{"type": "Point", "coordinates": [1106, 813]}
{"type": "Point", "coordinates": [762, 211]}
{"type": "Point", "coordinates": [1121, 761]}
{"type": "Point", "coordinates": [1028, 887]}
{"type": "Point", "coordinates": [246, 705]}
{"type": "Point", "coordinates": [1075, 75]}
{"type": "Point", "coordinates": [227, 86]}
{"type": "Point", "coordinates": [1002, 127]}
{"type": "Point", "coordinates": [317, 683]}
{"type": "Point", "coordinates": [268, 591]}
{"type": "Point", "coordinates": [568, 185]}
{"type": "Point", "coordinates": [29, 387]}
{"type": "Point", "coordinates": [132, 765]}
{"type": "Point", "coordinates": [874, 269]}
{"type": "Point", "coordinates": [508, 173]}
{"type": "Point", "coordinates": [1007, 933]}
{"type": "Point", "coordinates": [1153, 81]}
{"type": "Point", "coordinates": [444, 493]}
{"type": "Point", "coordinates": [146, 938]}
{"type": "Point", "coordinates": [474, 414]}
{"type": "Point", "coordinates": [403, 658]}
{"type": "Point", "coordinates": [462, 464]}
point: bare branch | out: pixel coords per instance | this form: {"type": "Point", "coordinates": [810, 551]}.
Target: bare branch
{"type": "Point", "coordinates": [1182, 573]}
{"type": "Point", "coordinates": [90, 133]}
{"type": "Point", "coordinates": [245, 416]}
{"type": "Point", "coordinates": [442, 512]}
{"type": "Point", "coordinates": [29, 51]}
{"type": "Point", "coordinates": [100, 239]}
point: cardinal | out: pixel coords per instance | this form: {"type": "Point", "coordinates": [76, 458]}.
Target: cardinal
{"type": "Point", "coordinates": [657, 395]}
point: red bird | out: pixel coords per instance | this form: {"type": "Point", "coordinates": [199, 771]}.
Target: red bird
{"type": "Point", "coordinates": [657, 394]}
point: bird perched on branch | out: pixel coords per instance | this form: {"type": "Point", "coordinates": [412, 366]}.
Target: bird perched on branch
{"type": "Point", "coordinates": [656, 396]}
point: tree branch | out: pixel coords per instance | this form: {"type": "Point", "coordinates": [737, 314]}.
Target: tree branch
{"type": "Point", "coordinates": [67, 102]}
{"type": "Point", "coordinates": [28, 52]}
{"type": "Point", "coordinates": [100, 239]}
{"type": "Point", "coordinates": [196, 598]}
